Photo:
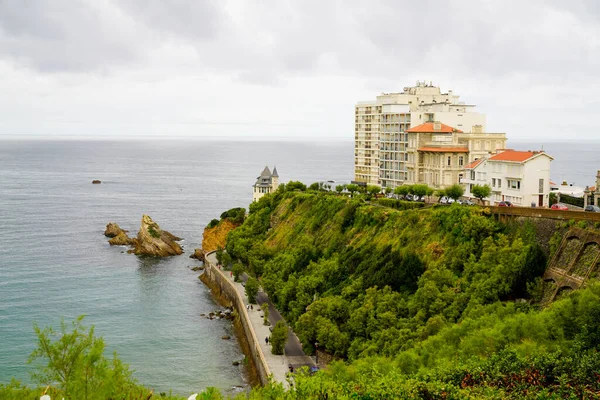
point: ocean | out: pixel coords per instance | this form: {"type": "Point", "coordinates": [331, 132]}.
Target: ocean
{"type": "Point", "coordinates": [56, 263]}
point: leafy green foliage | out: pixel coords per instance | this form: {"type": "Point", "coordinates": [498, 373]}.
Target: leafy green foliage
{"type": "Point", "coordinates": [400, 204]}
{"type": "Point", "coordinates": [235, 215]}
{"type": "Point", "coordinates": [265, 310]}
{"type": "Point", "coordinates": [214, 222]}
{"type": "Point", "coordinates": [279, 337]}
{"type": "Point", "coordinates": [252, 286]}
{"type": "Point", "coordinates": [481, 191]}
{"type": "Point", "coordinates": [454, 191]}
{"type": "Point", "coordinates": [352, 188]}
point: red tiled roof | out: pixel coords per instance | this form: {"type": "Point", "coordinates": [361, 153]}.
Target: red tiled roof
{"type": "Point", "coordinates": [512, 155]}
{"type": "Point", "coordinates": [445, 149]}
{"type": "Point", "coordinates": [427, 127]}
{"type": "Point", "coordinates": [474, 164]}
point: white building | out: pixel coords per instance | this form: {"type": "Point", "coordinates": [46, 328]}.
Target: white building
{"type": "Point", "coordinates": [267, 182]}
{"type": "Point", "coordinates": [382, 153]}
{"type": "Point", "coordinates": [521, 177]}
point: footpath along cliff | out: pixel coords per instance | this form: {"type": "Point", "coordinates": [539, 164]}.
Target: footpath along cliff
{"type": "Point", "coordinates": [151, 240]}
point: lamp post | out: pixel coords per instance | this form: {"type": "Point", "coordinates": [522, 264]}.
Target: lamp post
{"type": "Point", "coordinates": [317, 353]}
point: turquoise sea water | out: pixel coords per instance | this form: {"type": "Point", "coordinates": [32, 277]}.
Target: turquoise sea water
{"type": "Point", "coordinates": [55, 261]}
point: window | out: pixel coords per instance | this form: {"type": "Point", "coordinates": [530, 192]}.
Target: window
{"type": "Point", "coordinates": [449, 161]}
{"type": "Point", "coordinates": [493, 182]}
{"type": "Point", "coordinates": [513, 184]}
{"type": "Point", "coordinates": [460, 161]}
{"type": "Point", "coordinates": [499, 183]}
{"type": "Point", "coordinates": [472, 175]}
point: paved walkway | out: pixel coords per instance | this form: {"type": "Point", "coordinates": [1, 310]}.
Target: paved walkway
{"type": "Point", "coordinates": [279, 365]}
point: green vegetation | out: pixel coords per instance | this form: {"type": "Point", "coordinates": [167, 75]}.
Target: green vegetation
{"type": "Point", "coordinates": [265, 309]}
{"type": "Point", "coordinates": [252, 286]}
{"type": "Point", "coordinates": [214, 222]}
{"type": "Point", "coordinates": [279, 337]}
{"type": "Point", "coordinates": [481, 192]}
{"type": "Point", "coordinates": [152, 232]}
{"type": "Point", "coordinates": [235, 215]}
{"type": "Point", "coordinates": [454, 191]}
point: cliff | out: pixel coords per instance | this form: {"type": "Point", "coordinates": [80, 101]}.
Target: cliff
{"type": "Point", "coordinates": [151, 240]}
{"type": "Point", "coordinates": [215, 237]}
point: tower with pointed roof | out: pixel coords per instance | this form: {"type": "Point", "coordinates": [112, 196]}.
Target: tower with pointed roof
{"type": "Point", "coordinates": [267, 182]}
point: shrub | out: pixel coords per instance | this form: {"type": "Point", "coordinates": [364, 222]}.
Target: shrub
{"type": "Point", "coordinates": [252, 286]}
{"type": "Point", "coordinates": [212, 223]}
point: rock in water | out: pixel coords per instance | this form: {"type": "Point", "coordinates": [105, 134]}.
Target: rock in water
{"type": "Point", "coordinates": [96, 182]}
{"type": "Point", "coordinates": [153, 241]}
{"type": "Point", "coordinates": [113, 230]}
{"type": "Point", "coordinates": [121, 240]}
{"type": "Point", "coordinates": [199, 254]}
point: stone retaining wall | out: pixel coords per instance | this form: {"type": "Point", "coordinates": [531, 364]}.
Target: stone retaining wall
{"type": "Point", "coordinates": [217, 279]}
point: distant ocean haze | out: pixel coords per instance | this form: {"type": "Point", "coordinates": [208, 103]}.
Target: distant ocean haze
{"type": "Point", "coordinates": [56, 263]}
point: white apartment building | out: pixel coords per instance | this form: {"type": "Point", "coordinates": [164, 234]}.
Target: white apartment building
{"type": "Point", "coordinates": [521, 177]}
{"type": "Point", "coordinates": [382, 152]}
{"type": "Point", "coordinates": [267, 182]}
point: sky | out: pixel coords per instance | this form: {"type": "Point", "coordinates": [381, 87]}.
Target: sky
{"type": "Point", "coordinates": [290, 69]}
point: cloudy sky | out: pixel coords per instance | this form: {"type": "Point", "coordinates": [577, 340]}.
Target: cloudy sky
{"type": "Point", "coordinates": [291, 69]}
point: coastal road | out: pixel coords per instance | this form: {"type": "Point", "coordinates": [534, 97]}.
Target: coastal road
{"type": "Point", "coordinates": [293, 347]}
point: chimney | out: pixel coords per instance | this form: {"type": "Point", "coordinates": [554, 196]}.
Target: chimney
{"type": "Point", "coordinates": [437, 126]}
{"type": "Point", "coordinates": [477, 129]}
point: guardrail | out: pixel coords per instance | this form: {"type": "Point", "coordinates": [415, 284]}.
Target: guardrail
{"type": "Point", "coordinates": [538, 212]}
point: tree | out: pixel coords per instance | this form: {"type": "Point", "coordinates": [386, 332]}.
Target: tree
{"type": "Point", "coordinates": [295, 185]}
{"type": "Point", "coordinates": [429, 193]}
{"type": "Point", "coordinates": [352, 188]}
{"type": "Point", "coordinates": [315, 186]}
{"type": "Point", "coordinates": [388, 190]}
{"type": "Point", "coordinates": [339, 188]}
{"type": "Point", "coordinates": [265, 309]}
{"type": "Point", "coordinates": [237, 269]}
{"type": "Point", "coordinates": [401, 190]}
{"type": "Point", "coordinates": [252, 286]}
{"type": "Point", "coordinates": [454, 191]}
{"type": "Point", "coordinates": [76, 364]}
{"type": "Point", "coordinates": [481, 191]}
{"type": "Point", "coordinates": [373, 190]}
{"type": "Point", "coordinates": [419, 190]}
{"type": "Point", "coordinates": [279, 337]}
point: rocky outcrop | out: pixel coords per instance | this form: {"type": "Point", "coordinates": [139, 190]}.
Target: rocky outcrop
{"type": "Point", "coordinates": [121, 240]}
{"type": "Point", "coordinates": [96, 182]}
{"type": "Point", "coordinates": [113, 230]}
{"type": "Point", "coordinates": [153, 241]}
{"type": "Point", "coordinates": [199, 254]}
{"type": "Point", "coordinates": [150, 240]}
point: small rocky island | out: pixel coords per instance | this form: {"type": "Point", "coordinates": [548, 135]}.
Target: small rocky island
{"type": "Point", "coordinates": [150, 240]}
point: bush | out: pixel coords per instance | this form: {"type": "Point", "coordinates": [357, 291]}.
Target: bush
{"type": "Point", "coordinates": [400, 204]}
{"type": "Point", "coordinates": [265, 309]}
{"type": "Point", "coordinates": [212, 223]}
{"type": "Point", "coordinates": [235, 215]}
{"type": "Point", "coordinates": [279, 337]}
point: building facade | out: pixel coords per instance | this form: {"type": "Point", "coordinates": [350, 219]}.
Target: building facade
{"type": "Point", "coordinates": [521, 177]}
{"type": "Point", "coordinates": [382, 155]}
{"type": "Point", "coordinates": [267, 182]}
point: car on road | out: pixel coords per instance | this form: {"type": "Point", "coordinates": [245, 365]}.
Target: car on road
{"type": "Point", "coordinates": [505, 204]}
{"type": "Point", "coordinates": [446, 200]}
{"type": "Point", "coordinates": [466, 202]}
{"type": "Point", "coordinates": [559, 206]}
{"type": "Point", "coordinates": [592, 208]}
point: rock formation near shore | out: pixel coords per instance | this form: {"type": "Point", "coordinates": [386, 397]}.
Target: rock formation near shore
{"type": "Point", "coordinates": [153, 241]}
{"type": "Point", "coordinates": [150, 240]}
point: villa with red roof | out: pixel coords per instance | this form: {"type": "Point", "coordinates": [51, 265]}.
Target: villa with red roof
{"type": "Point", "coordinates": [521, 177]}
{"type": "Point", "coordinates": [437, 153]}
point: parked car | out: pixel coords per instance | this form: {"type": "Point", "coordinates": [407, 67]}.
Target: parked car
{"type": "Point", "coordinates": [446, 200]}
{"type": "Point", "coordinates": [592, 208]}
{"type": "Point", "coordinates": [466, 202]}
{"type": "Point", "coordinates": [559, 206]}
{"type": "Point", "coordinates": [505, 204]}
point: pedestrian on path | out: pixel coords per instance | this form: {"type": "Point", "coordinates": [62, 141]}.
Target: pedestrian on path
{"type": "Point", "coordinates": [267, 340]}
{"type": "Point", "coordinates": [247, 306]}
{"type": "Point", "coordinates": [252, 308]}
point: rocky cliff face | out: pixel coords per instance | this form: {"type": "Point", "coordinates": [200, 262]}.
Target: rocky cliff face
{"type": "Point", "coordinates": [150, 240]}
{"type": "Point", "coordinates": [214, 237]}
